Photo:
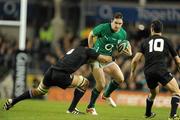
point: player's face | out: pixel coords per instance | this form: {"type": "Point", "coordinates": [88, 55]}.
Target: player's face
{"type": "Point", "coordinates": [116, 24]}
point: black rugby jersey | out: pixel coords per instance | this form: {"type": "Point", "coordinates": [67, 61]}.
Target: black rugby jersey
{"type": "Point", "coordinates": [156, 49]}
{"type": "Point", "coordinates": [75, 58]}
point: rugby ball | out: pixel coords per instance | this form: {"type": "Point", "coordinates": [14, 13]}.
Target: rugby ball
{"type": "Point", "coordinates": [122, 46]}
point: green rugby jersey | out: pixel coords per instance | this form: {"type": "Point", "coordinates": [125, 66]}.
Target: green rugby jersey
{"type": "Point", "coordinates": [107, 39]}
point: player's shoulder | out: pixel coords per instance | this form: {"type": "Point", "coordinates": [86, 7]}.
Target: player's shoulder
{"type": "Point", "coordinates": [78, 49]}
{"type": "Point", "coordinates": [145, 41]}
{"type": "Point", "coordinates": [84, 49]}
{"type": "Point", "coordinates": [166, 40]}
{"type": "Point", "coordinates": [122, 30]}
{"type": "Point", "coordinates": [101, 27]}
{"type": "Point", "coordinates": [122, 33]}
{"type": "Point", "coordinates": [106, 24]}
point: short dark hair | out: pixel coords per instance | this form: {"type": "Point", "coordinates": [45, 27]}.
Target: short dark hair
{"type": "Point", "coordinates": [117, 15]}
{"type": "Point", "coordinates": [157, 26]}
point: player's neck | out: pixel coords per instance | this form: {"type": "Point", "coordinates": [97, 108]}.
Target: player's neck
{"type": "Point", "coordinates": [160, 34]}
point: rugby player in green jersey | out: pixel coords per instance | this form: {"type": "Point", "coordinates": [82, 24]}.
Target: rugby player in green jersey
{"type": "Point", "coordinates": [108, 36]}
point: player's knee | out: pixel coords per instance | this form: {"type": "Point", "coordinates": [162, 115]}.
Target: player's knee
{"type": "Point", "coordinates": [100, 86]}
{"type": "Point", "coordinates": [153, 95]}
{"type": "Point", "coordinates": [120, 79]}
{"type": "Point", "coordinates": [176, 93]}
{"type": "Point", "coordinates": [103, 85]}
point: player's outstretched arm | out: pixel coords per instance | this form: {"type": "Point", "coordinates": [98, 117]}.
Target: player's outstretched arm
{"type": "Point", "coordinates": [174, 53]}
{"type": "Point", "coordinates": [134, 63]}
{"type": "Point", "coordinates": [177, 61]}
{"type": "Point", "coordinates": [90, 39]}
{"type": "Point", "coordinates": [104, 58]}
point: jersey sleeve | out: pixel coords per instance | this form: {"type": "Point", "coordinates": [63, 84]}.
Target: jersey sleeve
{"type": "Point", "coordinates": [92, 53]}
{"type": "Point", "coordinates": [171, 48]}
{"type": "Point", "coordinates": [98, 29]}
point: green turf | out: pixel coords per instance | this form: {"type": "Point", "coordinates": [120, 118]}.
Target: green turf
{"type": "Point", "coordinates": [44, 110]}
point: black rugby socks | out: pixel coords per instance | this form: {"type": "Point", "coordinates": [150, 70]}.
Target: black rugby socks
{"type": "Point", "coordinates": [94, 96]}
{"type": "Point", "coordinates": [174, 104]}
{"type": "Point", "coordinates": [25, 95]}
{"type": "Point", "coordinates": [78, 93]}
{"type": "Point", "coordinates": [149, 104]}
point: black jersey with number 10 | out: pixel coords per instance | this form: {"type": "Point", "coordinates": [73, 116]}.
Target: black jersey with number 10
{"type": "Point", "coordinates": [75, 58]}
{"type": "Point", "coordinates": [156, 49]}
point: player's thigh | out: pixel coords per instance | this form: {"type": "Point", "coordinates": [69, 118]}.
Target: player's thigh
{"type": "Point", "coordinates": [114, 71]}
{"type": "Point", "coordinates": [169, 82]}
{"type": "Point", "coordinates": [61, 79]}
{"type": "Point", "coordinates": [173, 87]}
{"type": "Point", "coordinates": [152, 80]}
{"type": "Point", "coordinates": [164, 77]}
{"type": "Point", "coordinates": [54, 77]}
{"type": "Point", "coordinates": [99, 76]}
{"type": "Point", "coordinates": [47, 78]}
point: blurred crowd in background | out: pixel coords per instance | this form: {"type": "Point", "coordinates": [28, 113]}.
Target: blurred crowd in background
{"type": "Point", "coordinates": [48, 43]}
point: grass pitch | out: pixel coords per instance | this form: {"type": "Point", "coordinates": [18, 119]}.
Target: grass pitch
{"type": "Point", "coordinates": [46, 110]}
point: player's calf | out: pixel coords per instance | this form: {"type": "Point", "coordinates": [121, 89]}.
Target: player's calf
{"type": "Point", "coordinates": [174, 104]}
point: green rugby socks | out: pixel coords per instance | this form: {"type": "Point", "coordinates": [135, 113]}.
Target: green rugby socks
{"type": "Point", "coordinates": [94, 95]}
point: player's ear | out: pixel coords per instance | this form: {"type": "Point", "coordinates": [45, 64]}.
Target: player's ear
{"type": "Point", "coordinates": [122, 22]}
{"type": "Point", "coordinates": [151, 30]}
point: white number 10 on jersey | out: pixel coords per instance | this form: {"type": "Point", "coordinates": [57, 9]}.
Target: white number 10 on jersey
{"type": "Point", "coordinates": [156, 45]}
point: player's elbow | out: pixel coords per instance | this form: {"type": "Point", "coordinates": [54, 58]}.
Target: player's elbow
{"type": "Point", "coordinates": [90, 38]}
{"type": "Point", "coordinates": [178, 61]}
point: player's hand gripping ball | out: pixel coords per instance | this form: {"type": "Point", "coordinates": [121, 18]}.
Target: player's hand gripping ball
{"type": "Point", "coordinates": [122, 46]}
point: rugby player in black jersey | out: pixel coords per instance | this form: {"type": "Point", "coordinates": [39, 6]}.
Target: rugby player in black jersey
{"type": "Point", "coordinates": [155, 50]}
{"type": "Point", "coordinates": [60, 75]}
